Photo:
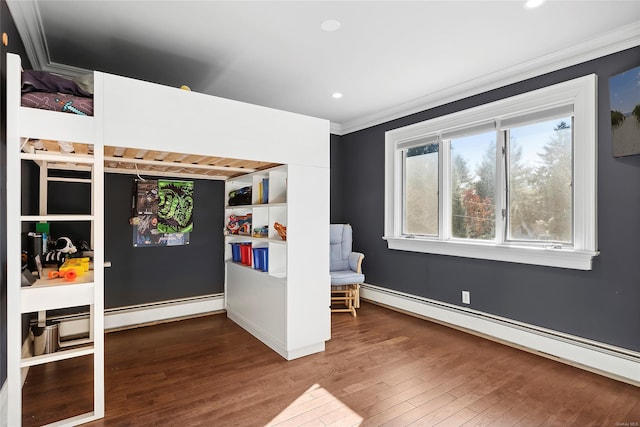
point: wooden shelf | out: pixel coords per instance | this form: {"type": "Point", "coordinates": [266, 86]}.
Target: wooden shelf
{"type": "Point", "coordinates": [240, 237]}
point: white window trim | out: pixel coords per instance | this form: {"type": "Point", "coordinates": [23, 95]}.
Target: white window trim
{"type": "Point", "coordinates": [582, 94]}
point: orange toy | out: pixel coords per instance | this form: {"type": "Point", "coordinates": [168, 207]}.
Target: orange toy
{"type": "Point", "coordinates": [69, 274]}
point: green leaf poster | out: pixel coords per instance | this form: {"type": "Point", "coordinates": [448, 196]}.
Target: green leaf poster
{"type": "Point", "coordinates": [175, 206]}
{"type": "Point", "coordinates": [163, 213]}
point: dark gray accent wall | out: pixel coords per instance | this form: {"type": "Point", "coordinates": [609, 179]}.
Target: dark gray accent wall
{"type": "Point", "coordinates": [336, 180]}
{"type": "Point", "coordinates": [152, 274]}
{"type": "Point", "coordinates": [601, 304]}
{"type": "Point", "coordinates": [15, 46]}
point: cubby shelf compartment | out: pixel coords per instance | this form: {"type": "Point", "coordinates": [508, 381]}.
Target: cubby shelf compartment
{"type": "Point", "coordinates": [263, 213]}
{"type": "Point", "coordinates": [58, 355]}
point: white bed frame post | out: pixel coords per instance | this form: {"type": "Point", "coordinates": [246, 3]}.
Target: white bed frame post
{"type": "Point", "coordinates": [14, 245]}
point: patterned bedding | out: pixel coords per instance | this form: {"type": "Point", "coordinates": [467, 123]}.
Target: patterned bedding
{"type": "Point", "coordinates": [48, 91]}
{"type": "Point", "coordinates": [58, 102]}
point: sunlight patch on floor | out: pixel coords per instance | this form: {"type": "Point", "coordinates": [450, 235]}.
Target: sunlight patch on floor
{"type": "Point", "coordinates": [316, 407]}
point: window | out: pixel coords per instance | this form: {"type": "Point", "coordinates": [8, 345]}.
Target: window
{"type": "Point", "coordinates": [514, 180]}
{"type": "Point", "coordinates": [421, 190]}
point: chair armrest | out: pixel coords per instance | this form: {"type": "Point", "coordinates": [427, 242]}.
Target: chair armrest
{"type": "Point", "coordinates": [355, 261]}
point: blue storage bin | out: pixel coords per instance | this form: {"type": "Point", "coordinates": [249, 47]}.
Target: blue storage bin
{"type": "Point", "coordinates": [235, 252]}
{"type": "Point", "coordinates": [261, 259]}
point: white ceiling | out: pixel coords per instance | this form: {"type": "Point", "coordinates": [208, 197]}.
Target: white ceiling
{"type": "Point", "coordinates": [388, 59]}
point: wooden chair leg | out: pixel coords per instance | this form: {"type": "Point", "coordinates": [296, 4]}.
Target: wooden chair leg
{"type": "Point", "coordinates": [356, 301]}
{"type": "Point", "coordinates": [346, 295]}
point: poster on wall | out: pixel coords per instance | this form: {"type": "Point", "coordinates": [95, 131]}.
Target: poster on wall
{"type": "Point", "coordinates": [624, 94]}
{"type": "Point", "coordinates": [175, 206]}
{"type": "Point", "coordinates": [162, 213]}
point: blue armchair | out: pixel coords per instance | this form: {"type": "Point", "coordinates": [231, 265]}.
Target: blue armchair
{"type": "Point", "coordinates": [345, 269]}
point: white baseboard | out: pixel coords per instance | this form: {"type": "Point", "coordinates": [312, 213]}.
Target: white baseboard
{"type": "Point", "coordinates": [144, 314]}
{"type": "Point", "coordinates": [125, 317]}
{"type": "Point", "coordinates": [272, 342]}
{"type": "Point", "coordinates": [604, 359]}
{"type": "Point", "coordinates": [4, 402]}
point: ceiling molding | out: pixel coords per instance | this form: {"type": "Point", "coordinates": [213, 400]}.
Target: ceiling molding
{"type": "Point", "coordinates": [624, 38]}
{"type": "Point", "coordinates": [26, 16]}
{"type": "Point", "coordinates": [335, 128]}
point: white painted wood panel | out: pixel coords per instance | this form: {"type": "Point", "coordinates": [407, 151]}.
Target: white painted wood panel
{"type": "Point", "coordinates": [257, 302]}
{"type": "Point", "coordinates": [151, 116]}
{"type": "Point", "coordinates": [38, 298]}
{"type": "Point", "coordinates": [43, 124]}
{"type": "Point", "coordinates": [308, 290]}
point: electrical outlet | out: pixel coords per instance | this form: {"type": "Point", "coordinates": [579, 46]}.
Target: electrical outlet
{"type": "Point", "coordinates": [466, 297]}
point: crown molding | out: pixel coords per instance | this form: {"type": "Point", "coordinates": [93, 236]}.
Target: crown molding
{"type": "Point", "coordinates": [335, 128]}
{"type": "Point", "coordinates": [623, 38]}
{"type": "Point", "coordinates": [26, 16]}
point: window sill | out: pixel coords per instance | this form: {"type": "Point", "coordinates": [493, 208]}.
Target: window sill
{"type": "Point", "coordinates": [550, 257]}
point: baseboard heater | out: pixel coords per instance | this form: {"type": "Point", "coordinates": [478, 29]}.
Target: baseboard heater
{"type": "Point", "coordinates": [77, 325]}
{"type": "Point", "coordinates": [615, 362]}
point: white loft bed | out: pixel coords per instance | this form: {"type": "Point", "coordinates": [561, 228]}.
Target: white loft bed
{"type": "Point", "coordinates": [172, 132]}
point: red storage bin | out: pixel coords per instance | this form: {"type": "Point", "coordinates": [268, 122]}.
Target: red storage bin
{"type": "Point", "coordinates": [245, 254]}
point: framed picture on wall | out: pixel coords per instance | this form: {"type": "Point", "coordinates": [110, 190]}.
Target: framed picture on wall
{"type": "Point", "coordinates": [624, 94]}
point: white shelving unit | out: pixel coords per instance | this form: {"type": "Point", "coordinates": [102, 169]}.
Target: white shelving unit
{"type": "Point", "coordinates": [48, 294]}
{"type": "Point", "coordinates": [264, 213]}
{"type": "Point", "coordinates": [273, 304]}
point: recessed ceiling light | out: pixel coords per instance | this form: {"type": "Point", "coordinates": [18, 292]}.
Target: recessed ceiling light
{"type": "Point", "coordinates": [330, 25]}
{"type": "Point", "coordinates": [336, 95]}
{"type": "Point", "coordinates": [530, 4]}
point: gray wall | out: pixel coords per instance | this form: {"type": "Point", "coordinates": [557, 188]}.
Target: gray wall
{"type": "Point", "coordinates": [602, 304]}
{"type": "Point", "coordinates": [143, 275]}
{"type": "Point", "coordinates": [336, 180]}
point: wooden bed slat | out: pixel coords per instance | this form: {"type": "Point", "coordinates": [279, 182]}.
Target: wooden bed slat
{"type": "Point", "coordinates": [136, 160]}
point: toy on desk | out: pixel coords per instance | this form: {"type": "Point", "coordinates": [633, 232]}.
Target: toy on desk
{"type": "Point", "coordinates": [61, 251]}
{"type": "Point", "coordinates": [71, 269]}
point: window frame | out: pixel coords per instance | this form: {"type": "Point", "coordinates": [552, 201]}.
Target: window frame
{"type": "Point", "coordinates": [580, 94]}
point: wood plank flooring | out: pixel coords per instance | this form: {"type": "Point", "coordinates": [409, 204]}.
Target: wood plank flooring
{"type": "Point", "coordinates": [381, 368]}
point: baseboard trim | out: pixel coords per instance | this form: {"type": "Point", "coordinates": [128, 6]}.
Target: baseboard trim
{"type": "Point", "coordinates": [272, 342]}
{"type": "Point", "coordinates": [4, 404]}
{"type": "Point", "coordinates": [614, 362]}
{"type": "Point", "coordinates": [115, 319]}
{"type": "Point", "coordinates": [144, 314]}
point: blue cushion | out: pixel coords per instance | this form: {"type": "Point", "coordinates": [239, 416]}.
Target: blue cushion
{"type": "Point", "coordinates": [340, 238]}
{"type": "Point", "coordinates": [346, 277]}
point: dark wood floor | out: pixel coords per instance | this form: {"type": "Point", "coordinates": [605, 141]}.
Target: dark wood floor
{"type": "Point", "coordinates": [381, 368]}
